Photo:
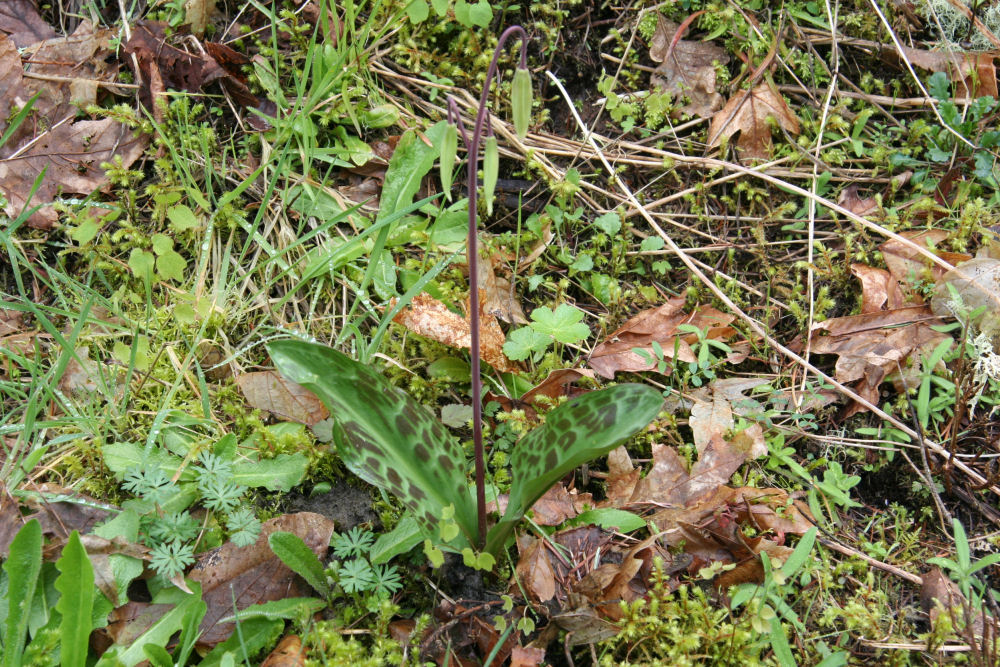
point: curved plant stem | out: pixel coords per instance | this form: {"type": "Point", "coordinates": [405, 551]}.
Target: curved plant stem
{"type": "Point", "coordinates": [473, 254]}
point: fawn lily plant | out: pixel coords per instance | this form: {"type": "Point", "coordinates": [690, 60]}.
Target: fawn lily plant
{"type": "Point", "coordinates": [388, 439]}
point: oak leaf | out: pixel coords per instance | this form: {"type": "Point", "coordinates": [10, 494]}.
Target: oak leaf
{"type": "Point", "coordinates": [747, 112]}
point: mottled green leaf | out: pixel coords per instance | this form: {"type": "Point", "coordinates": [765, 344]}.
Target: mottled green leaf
{"type": "Point", "coordinates": [574, 433]}
{"type": "Point", "coordinates": [383, 435]}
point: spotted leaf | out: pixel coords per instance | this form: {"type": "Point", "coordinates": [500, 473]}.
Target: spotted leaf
{"type": "Point", "coordinates": [383, 435]}
{"type": "Point", "coordinates": [574, 433]}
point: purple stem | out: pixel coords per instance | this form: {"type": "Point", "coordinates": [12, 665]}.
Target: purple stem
{"type": "Point", "coordinates": [473, 255]}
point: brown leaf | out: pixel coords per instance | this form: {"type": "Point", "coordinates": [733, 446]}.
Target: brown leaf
{"type": "Point", "coordinates": [908, 266]}
{"type": "Point", "coordinates": [163, 66]}
{"type": "Point", "coordinates": [747, 113]}
{"type": "Point", "coordinates": [559, 504]}
{"type": "Point", "coordinates": [850, 200]}
{"type": "Point", "coordinates": [523, 656]}
{"type": "Point", "coordinates": [535, 572]}
{"type": "Point", "coordinates": [288, 653]}
{"type": "Point", "coordinates": [940, 595]}
{"type": "Point", "coordinates": [622, 478]}
{"type": "Point", "coordinates": [975, 73]}
{"type": "Point", "coordinates": [873, 346]}
{"type": "Point", "coordinates": [658, 325]}
{"type": "Point", "coordinates": [71, 155]}
{"type": "Point", "coordinates": [879, 290]}
{"type": "Point", "coordinates": [498, 294]}
{"type": "Point", "coordinates": [689, 71]}
{"type": "Point", "coordinates": [269, 390]}
{"type": "Point", "coordinates": [253, 574]}
{"type": "Point", "coordinates": [21, 22]}
{"type": "Point", "coordinates": [557, 384]}
{"type": "Point", "coordinates": [428, 317]}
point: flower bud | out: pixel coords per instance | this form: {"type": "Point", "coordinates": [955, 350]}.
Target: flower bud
{"type": "Point", "coordinates": [520, 101]}
{"type": "Point", "coordinates": [491, 170]}
{"type": "Point", "coordinates": [449, 149]}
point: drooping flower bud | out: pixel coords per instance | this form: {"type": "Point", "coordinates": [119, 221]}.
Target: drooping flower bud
{"type": "Point", "coordinates": [491, 171]}
{"type": "Point", "coordinates": [449, 149]}
{"type": "Point", "coordinates": [520, 101]}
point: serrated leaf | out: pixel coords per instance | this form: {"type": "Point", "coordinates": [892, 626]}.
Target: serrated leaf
{"type": "Point", "coordinates": [76, 584]}
{"type": "Point", "coordinates": [297, 555]}
{"type": "Point", "coordinates": [574, 433]}
{"type": "Point", "coordinates": [563, 324]}
{"type": "Point", "coordinates": [524, 342]}
{"type": "Point", "coordinates": [383, 435]}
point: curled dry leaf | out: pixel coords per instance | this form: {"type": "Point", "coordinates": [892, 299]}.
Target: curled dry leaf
{"type": "Point", "coordinates": [688, 71]}
{"type": "Point", "coordinates": [269, 390]}
{"type": "Point", "coordinates": [498, 293]}
{"type": "Point", "coordinates": [747, 112]}
{"type": "Point", "coordinates": [879, 290]}
{"type": "Point", "coordinates": [873, 346]}
{"type": "Point", "coordinates": [850, 200]}
{"type": "Point", "coordinates": [657, 325]}
{"type": "Point", "coordinates": [428, 317]}
{"type": "Point", "coordinates": [940, 595]}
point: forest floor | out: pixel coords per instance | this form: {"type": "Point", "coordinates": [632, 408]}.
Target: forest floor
{"type": "Point", "coordinates": [783, 218]}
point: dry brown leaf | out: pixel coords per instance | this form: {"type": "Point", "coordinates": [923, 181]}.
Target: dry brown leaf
{"type": "Point", "coordinates": [559, 504]}
{"type": "Point", "coordinates": [253, 574]}
{"type": "Point", "coordinates": [689, 71]}
{"type": "Point", "coordinates": [498, 294]}
{"type": "Point", "coordinates": [524, 656]}
{"type": "Point", "coordinates": [21, 22]}
{"type": "Point", "coordinates": [534, 571]}
{"type": "Point", "coordinates": [557, 384]}
{"type": "Point", "coordinates": [940, 595]}
{"type": "Point", "coordinates": [850, 200]}
{"type": "Point", "coordinates": [658, 325]}
{"type": "Point", "coordinates": [747, 112]}
{"type": "Point", "coordinates": [71, 155]}
{"type": "Point", "coordinates": [975, 73]}
{"type": "Point", "coordinates": [428, 317]}
{"type": "Point", "coordinates": [873, 346]}
{"type": "Point", "coordinates": [714, 418]}
{"type": "Point", "coordinates": [908, 266]}
{"type": "Point", "coordinates": [197, 14]}
{"type": "Point", "coordinates": [622, 478]}
{"type": "Point", "coordinates": [269, 390]}
{"type": "Point", "coordinates": [879, 290]}
{"type": "Point", "coordinates": [288, 653]}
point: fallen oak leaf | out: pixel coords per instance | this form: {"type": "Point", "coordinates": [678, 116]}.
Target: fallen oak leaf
{"type": "Point", "coordinates": [747, 112]}
{"type": "Point", "coordinates": [688, 70]}
{"type": "Point", "coordinates": [657, 325]}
